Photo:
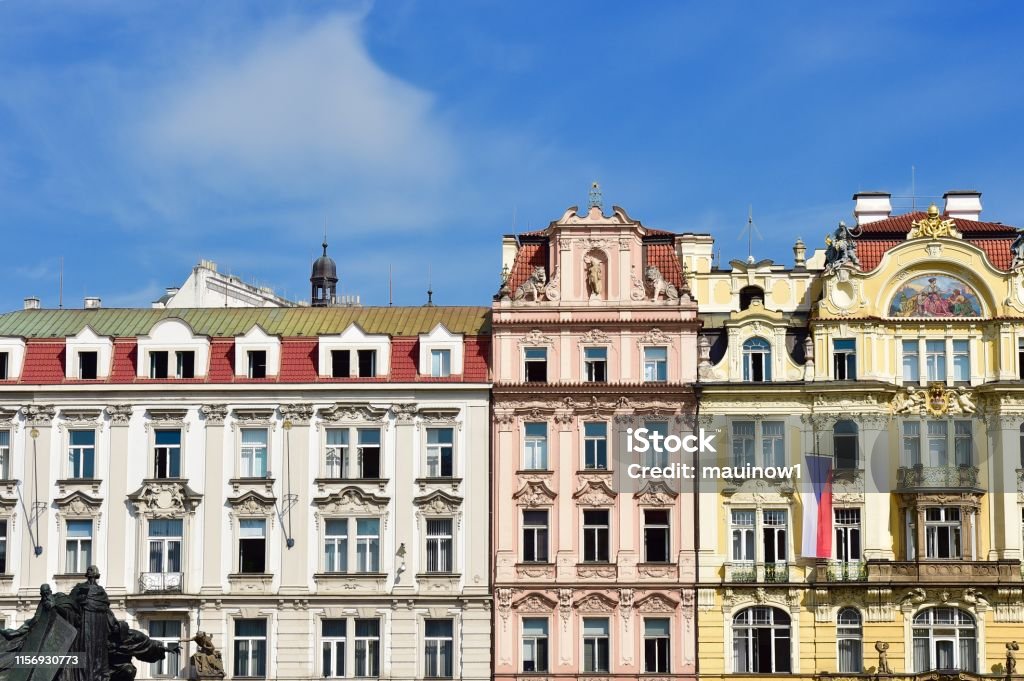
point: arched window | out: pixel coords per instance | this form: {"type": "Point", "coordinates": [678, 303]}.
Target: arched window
{"type": "Point", "coordinates": [849, 638]}
{"type": "Point", "coordinates": [749, 294]}
{"type": "Point", "coordinates": [945, 638]}
{"type": "Point", "coordinates": [761, 641]}
{"type": "Point", "coordinates": [844, 444]}
{"type": "Point", "coordinates": [757, 360]}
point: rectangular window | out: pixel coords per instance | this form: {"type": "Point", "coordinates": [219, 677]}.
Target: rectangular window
{"type": "Point", "coordinates": [3, 546]}
{"type": "Point", "coordinates": [656, 536]}
{"type": "Point", "coordinates": [844, 352]}
{"type": "Point", "coordinates": [743, 536]}
{"type": "Point", "coordinates": [942, 533]}
{"type": "Point", "coordinates": [367, 363]}
{"type": "Point", "coordinates": [773, 443]}
{"type": "Point", "coordinates": [5, 455]}
{"type": "Point", "coordinates": [595, 535]}
{"type": "Point", "coordinates": [369, 453]}
{"type": "Point", "coordinates": [165, 545]}
{"type": "Point", "coordinates": [535, 365]}
{"type": "Point", "coordinates": [78, 546]}
{"type": "Point", "coordinates": [439, 545]}
{"type": "Point", "coordinates": [535, 453]}
{"type": "Point", "coordinates": [440, 363]}
{"type": "Point", "coordinates": [595, 445]}
{"type": "Point", "coordinates": [250, 648]}
{"type": "Point", "coordinates": [595, 364]}
{"type": "Point", "coordinates": [742, 443]}
{"type": "Point", "coordinates": [962, 361]}
{"type": "Point", "coordinates": [596, 648]}
{"type": "Point", "coordinates": [158, 364]}
{"type": "Point", "coordinates": [935, 359]}
{"type": "Point", "coordinates": [912, 443]}
{"type": "Point", "coordinates": [336, 545]}
{"type": "Point", "coordinates": [340, 367]}
{"type": "Point", "coordinates": [88, 362]}
{"type": "Point", "coordinates": [911, 361]}
{"type": "Point", "coordinates": [535, 644]}
{"type": "Point", "coordinates": [962, 443]}
{"type": "Point", "coordinates": [656, 364]}
{"type": "Point", "coordinates": [439, 648]}
{"type": "Point", "coordinates": [656, 456]}
{"type": "Point", "coordinates": [336, 462]}
{"type": "Point", "coordinates": [167, 453]}
{"type": "Point", "coordinates": [166, 632]}
{"type": "Point", "coordinates": [535, 536]}
{"type": "Point", "coordinates": [367, 545]}
{"type": "Point", "coordinates": [82, 454]}
{"type": "Point", "coordinates": [938, 446]}
{"type": "Point", "coordinates": [185, 364]}
{"type": "Point", "coordinates": [257, 363]}
{"type": "Point", "coordinates": [367, 648]}
{"type": "Point", "coordinates": [847, 530]}
{"type": "Point", "coordinates": [773, 527]}
{"type": "Point", "coordinates": [254, 453]}
{"type": "Point", "coordinates": [439, 452]}
{"type": "Point", "coordinates": [656, 645]}
{"type": "Point", "coordinates": [4, 366]}
{"type": "Point", "coordinates": [252, 545]}
{"type": "Point", "coordinates": [332, 641]}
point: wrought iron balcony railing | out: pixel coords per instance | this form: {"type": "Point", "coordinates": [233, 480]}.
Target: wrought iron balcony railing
{"type": "Point", "coordinates": [846, 571]}
{"type": "Point", "coordinates": [160, 582]}
{"type": "Point", "coordinates": [750, 572]}
{"type": "Point", "coordinates": [937, 477]}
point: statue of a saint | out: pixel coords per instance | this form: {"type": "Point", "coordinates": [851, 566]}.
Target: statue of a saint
{"type": "Point", "coordinates": [595, 278]}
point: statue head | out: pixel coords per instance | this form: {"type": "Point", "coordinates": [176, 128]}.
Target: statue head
{"type": "Point", "coordinates": [45, 590]}
{"type": "Point", "coordinates": [92, 573]}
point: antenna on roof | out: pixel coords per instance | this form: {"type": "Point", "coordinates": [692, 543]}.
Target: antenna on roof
{"type": "Point", "coordinates": [913, 189]}
{"type": "Point", "coordinates": [60, 286]}
{"type": "Point", "coordinates": [751, 231]}
{"type": "Point", "coordinates": [430, 288]}
{"type": "Point", "coordinates": [391, 292]}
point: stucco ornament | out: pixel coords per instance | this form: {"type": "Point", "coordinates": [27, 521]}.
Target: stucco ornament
{"type": "Point", "coordinates": [937, 400]}
{"type": "Point", "coordinates": [533, 287]}
{"type": "Point", "coordinates": [932, 226]}
{"type": "Point", "coordinates": [660, 287]}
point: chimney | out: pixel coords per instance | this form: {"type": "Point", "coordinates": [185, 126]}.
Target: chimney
{"type": "Point", "coordinates": [963, 204]}
{"type": "Point", "coordinates": [32, 303]}
{"type": "Point", "coordinates": [91, 303]}
{"type": "Point", "coordinates": [871, 207]}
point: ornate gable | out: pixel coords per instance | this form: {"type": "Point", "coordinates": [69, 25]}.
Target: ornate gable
{"type": "Point", "coordinates": [438, 502]}
{"type": "Point", "coordinates": [165, 499]}
{"type": "Point", "coordinates": [534, 602]}
{"type": "Point", "coordinates": [535, 493]}
{"type": "Point", "coordinates": [595, 493]}
{"type": "Point", "coordinates": [252, 503]}
{"type": "Point", "coordinates": [655, 493]}
{"type": "Point", "coordinates": [656, 603]}
{"type": "Point", "coordinates": [351, 500]}
{"type": "Point", "coordinates": [595, 603]}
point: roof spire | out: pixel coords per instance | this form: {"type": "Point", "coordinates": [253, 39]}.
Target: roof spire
{"type": "Point", "coordinates": [324, 244]}
{"type": "Point", "coordinates": [596, 200]}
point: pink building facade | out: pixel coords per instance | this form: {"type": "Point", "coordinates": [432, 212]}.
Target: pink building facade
{"type": "Point", "coordinates": [594, 333]}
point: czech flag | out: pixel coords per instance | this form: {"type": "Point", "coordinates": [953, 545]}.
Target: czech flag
{"type": "Point", "coordinates": [817, 500]}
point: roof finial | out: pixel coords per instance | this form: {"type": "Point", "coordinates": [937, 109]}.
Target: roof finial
{"type": "Point", "coordinates": [324, 244]}
{"type": "Point", "coordinates": [430, 288]}
{"type": "Point", "coordinates": [596, 200]}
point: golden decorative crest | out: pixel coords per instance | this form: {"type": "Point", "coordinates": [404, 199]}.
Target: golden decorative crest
{"type": "Point", "coordinates": [933, 226]}
{"type": "Point", "coordinates": [937, 403]}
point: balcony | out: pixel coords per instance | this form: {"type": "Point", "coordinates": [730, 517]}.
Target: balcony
{"type": "Point", "coordinates": [945, 571]}
{"type": "Point", "coordinates": [937, 478]}
{"type": "Point", "coordinates": [841, 571]}
{"type": "Point", "coordinates": [753, 573]}
{"type": "Point", "coordinates": [160, 582]}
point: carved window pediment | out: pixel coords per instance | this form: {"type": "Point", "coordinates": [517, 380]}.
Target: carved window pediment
{"type": "Point", "coordinates": [245, 418]}
{"type": "Point", "coordinates": [252, 503]}
{"type": "Point", "coordinates": [350, 412]}
{"type": "Point", "coordinates": [440, 416]}
{"type": "Point", "coordinates": [438, 502]}
{"type": "Point", "coordinates": [596, 603]}
{"type": "Point", "coordinates": [535, 493]}
{"type": "Point", "coordinates": [166, 418]}
{"type": "Point", "coordinates": [79, 418]}
{"type": "Point", "coordinates": [351, 500]}
{"type": "Point", "coordinates": [595, 493]}
{"type": "Point", "coordinates": [656, 603]}
{"type": "Point", "coordinates": [165, 499]}
{"type": "Point", "coordinates": [655, 493]}
{"type": "Point", "coordinates": [535, 603]}
{"type": "Point", "coordinates": [296, 413]}
{"type": "Point", "coordinates": [78, 504]}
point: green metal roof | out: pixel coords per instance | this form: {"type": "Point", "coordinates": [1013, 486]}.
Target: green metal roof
{"type": "Point", "coordinates": [278, 321]}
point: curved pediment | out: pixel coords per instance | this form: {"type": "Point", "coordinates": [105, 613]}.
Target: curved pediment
{"type": "Point", "coordinates": [439, 502]}
{"type": "Point", "coordinates": [534, 602]}
{"type": "Point", "coordinates": [656, 603]}
{"type": "Point", "coordinates": [351, 500]}
{"type": "Point", "coordinates": [595, 493]}
{"type": "Point", "coordinates": [535, 493]}
{"type": "Point", "coordinates": [655, 493]}
{"type": "Point", "coordinates": [596, 603]}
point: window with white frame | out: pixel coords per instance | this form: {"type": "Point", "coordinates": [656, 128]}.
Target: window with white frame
{"type": "Point", "coordinates": [748, 438]}
{"type": "Point", "coordinates": [657, 540]}
{"type": "Point", "coordinates": [595, 365]}
{"type": "Point", "coordinates": [940, 439]}
{"type": "Point", "coordinates": [440, 363]}
{"type": "Point", "coordinates": [167, 632]}
{"type": "Point", "coordinates": [757, 360]}
{"type": "Point", "coordinates": [81, 454]}
{"type": "Point", "coordinates": [252, 545]}
{"type": "Point", "coordinates": [847, 530]}
{"type": "Point", "coordinates": [657, 645]}
{"type": "Point", "coordinates": [5, 359]}
{"type": "Point", "coordinates": [439, 648]}
{"type": "Point", "coordinates": [935, 360]}
{"type": "Point", "coordinates": [165, 535]}
{"type": "Point", "coordinates": [595, 445]}
{"type": "Point", "coordinates": [774, 531]}
{"type": "Point", "coordinates": [844, 359]}
{"type": "Point", "coordinates": [742, 530]}
{"type": "Point", "coordinates": [962, 361]}
{"type": "Point", "coordinates": [535, 536]}
{"type": "Point", "coordinates": [440, 449]}
{"type": "Point", "coordinates": [849, 641]}
{"type": "Point", "coordinates": [336, 453]}
{"type": "Point", "coordinates": [440, 543]}
{"type": "Point", "coordinates": [944, 638]}
{"type": "Point", "coordinates": [535, 644]}
{"type": "Point", "coordinates": [184, 364]}
{"type": "Point", "coordinates": [761, 641]}
{"type": "Point", "coordinates": [332, 647]}
{"type": "Point", "coordinates": [942, 532]}
{"type": "Point", "coordinates": [911, 361]}
{"type": "Point", "coordinates": [167, 453]}
{"type": "Point", "coordinates": [535, 365]}
{"type": "Point", "coordinates": [250, 647]}
{"type": "Point", "coordinates": [367, 648]}
{"type": "Point", "coordinates": [77, 546]}
{"type": "Point", "coordinates": [367, 544]}
{"type": "Point", "coordinates": [336, 545]}
{"type": "Point", "coordinates": [596, 644]}
{"type": "Point", "coordinates": [368, 440]}
{"type": "Point", "coordinates": [743, 443]}
{"type": "Point", "coordinates": [656, 364]}
{"type": "Point", "coordinates": [656, 457]}
{"type": "Point", "coordinates": [596, 537]}
{"type": "Point", "coordinates": [535, 449]}
{"type": "Point", "coordinates": [5, 455]}
{"type": "Point", "coordinates": [773, 443]}
{"type": "Point", "coordinates": [352, 545]}
{"type": "Point", "coordinates": [254, 453]}
{"type": "Point", "coordinates": [257, 363]}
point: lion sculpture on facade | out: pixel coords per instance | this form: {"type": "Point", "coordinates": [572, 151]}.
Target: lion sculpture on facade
{"type": "Point", "coordinates": [659, 285]}
{"type": "Point", "coordinates": [533, 287]}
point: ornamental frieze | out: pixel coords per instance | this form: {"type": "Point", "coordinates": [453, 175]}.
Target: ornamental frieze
{"type": "Point", "coordinates": [535, 493]}
{"type": "Point", "coordinates": [352, 412]}
{"type": "Point", "coordinates": [936, 400]}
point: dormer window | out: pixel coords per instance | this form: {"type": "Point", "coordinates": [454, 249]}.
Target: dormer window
{"type": "Point", "coordinates": [757, 360]}
{"type": "Point", "coordinates": [441, 353]}
{"type": "Point", "coordinates": [88, 355]}
{"type": "Point", "coordinates": [257, 363]}
{"type": "Point", "coordinates": [172, 350]}
{"type": "Point", "coordinates": [535, 365]}
{"type": "Point", "coordinates": [354, 353]}
{"type": "Point", "coordinates": [340, 364]}
{"type": "Point", "coordinates": [440, 363]}
{"type": "Point", "coordinates": [367, 363]}
{"type": "Point", "coordinates": [184, 364]}
{"type": "Point", "coordinates": [257, 354]}
{"type": "Point", "coordinates": [88, 363]}
{"type": "Point", "coordinates": [158, 364]}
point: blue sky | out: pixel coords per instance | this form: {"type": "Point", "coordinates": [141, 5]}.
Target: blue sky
{"type": "Point", "coordinates": [137, 137]}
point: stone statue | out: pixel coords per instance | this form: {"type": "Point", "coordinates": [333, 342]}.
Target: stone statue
{"type": "Point", "coordinates": [883, 657]}
{"type": "Point", "coordinates": [659, 285]}
{"type": "Point", "coordinates": [595, 277]}
{"type": "Point", "coordinates": [533, 287]}
{"type": "Point", "coordinates": [1017, 250]}
{"type": "Point", "coordinates": [206, 663]}
{"type": "Point", "coordinates": [965, 402]}
{"type": "Point", "coordinates": [915, 596]}
{"type": "Point", "coordinates": [911, 402]}
{"type": "Point", "coordinates": [840, 248]}
{"type": "Point", "coordinates": [1011, 658]}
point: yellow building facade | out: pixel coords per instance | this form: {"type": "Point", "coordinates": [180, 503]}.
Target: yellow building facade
{"type": "Point", "coordinates": [894, 357]}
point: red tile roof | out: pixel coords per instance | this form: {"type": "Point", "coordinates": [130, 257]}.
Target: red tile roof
{"type": "Point", "coordinates": [222, 360]}
{"type": "Point", "coordinates": [44, 361]}
{"type": "Point", "coordinates": [900, 224]}
{"type": "Point", "coordinates": [476, 358]}
{"type": "Point", "coordinates": [125, 362]}
{"type": "Point", "coordinates": [663, 256]}
{"type": "Point", "coordinates": [530, 255]}
{"type": "Point", "coordinates": [870, 251]}
{"type": "Point", "coordinates": [299, 360]}
{"type": "Point", "coordinates": [405, 359]}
